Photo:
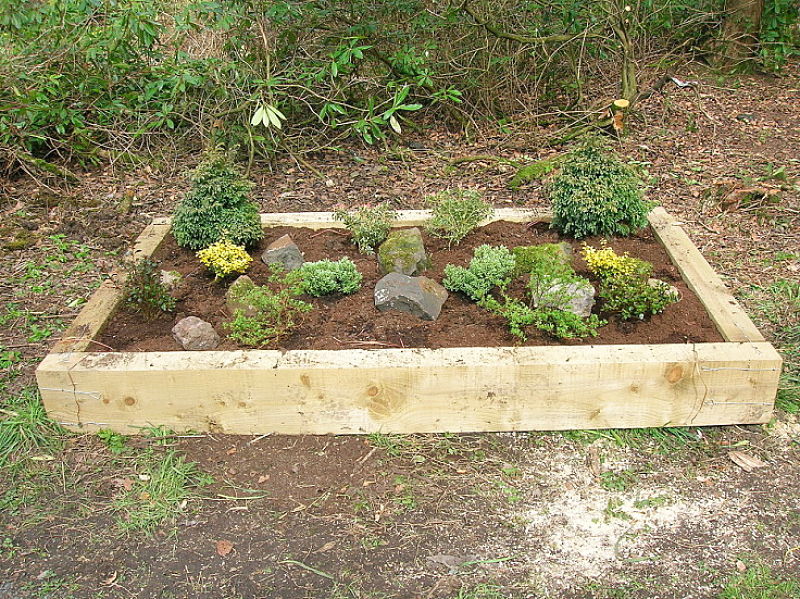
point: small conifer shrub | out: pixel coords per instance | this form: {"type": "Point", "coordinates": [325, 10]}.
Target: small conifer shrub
{"type": "Point", "coordinates": [595, 193]}
{"type": "Point", "coordinates": [490, 267]}
{"type": "Point", "coordinates": [217, 207]}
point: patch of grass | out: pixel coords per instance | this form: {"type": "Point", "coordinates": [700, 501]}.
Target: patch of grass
{"type": "Point", "coordinates": [758, 582]}
{"type": "Point", "coordinates": [404, 494]}
{"type": "Point", "coordinates": [159, 493]}
{"type": "Point", "coordinates": [788, 398]}
{"type": "Point", "coordinates": [482, 591]}
{"type": "Point", "coordinates": [25, 427]}
{"type": "Point", "coordinates": [393, 445]}
{"type": "Point", "coordinates": [618, 481]}
{"type": "Point", "coordinates": [661, 440]}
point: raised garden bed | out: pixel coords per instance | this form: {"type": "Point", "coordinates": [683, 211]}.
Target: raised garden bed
{"type": "Point", "coordinates": [726, 375]}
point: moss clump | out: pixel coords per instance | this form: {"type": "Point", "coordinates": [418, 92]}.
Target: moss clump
{"type": "Point", "coordinates": [532, 172]}
{"type": "Point", "coordinates": [217, 207]}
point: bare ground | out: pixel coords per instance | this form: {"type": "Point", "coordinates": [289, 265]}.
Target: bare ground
{"type": "Point", "coordinates": [605, 514]}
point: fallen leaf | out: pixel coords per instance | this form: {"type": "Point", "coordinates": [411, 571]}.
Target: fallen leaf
{"type": "Point", "coordinates": [224, 548]}
{"type": "Point", "coordinates": [110, 580]}
{"type": "Point", "coordinates": [144, 495]}
{"type": "Point", "coordinates": [327, 546]}
{"type": "Point", "coordinates": [263, 478]}
{"type": "Point", "coordinates": [740, 565]}
{"type": "Point", "coordinates": [231, 451]}
{"type": "Point", "coordinates": [745, 461]}
{"type": "Point", "coordinates": [127, 484]}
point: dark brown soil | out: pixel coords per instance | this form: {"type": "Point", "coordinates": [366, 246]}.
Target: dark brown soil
{"type": "Point", "coordinates": [353, 322]}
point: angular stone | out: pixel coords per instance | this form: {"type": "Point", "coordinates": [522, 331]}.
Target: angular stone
{"type": "Point", "coordinates": [195, 334]}
{"type": "Point", "coordinates": [170, 278]}
{"type": "Point", "coordinates": [420, 296]}
{"type": "Point", "coordinates": [403, 252]}
{"type": "Point", "coordinates": [232, 301]}
{"type": "Point", "coordinates": [576, 297]}
{"type": "Point", "coordinates": [285, 252]}
{"type": "Point", "coordinates": [672, 289]}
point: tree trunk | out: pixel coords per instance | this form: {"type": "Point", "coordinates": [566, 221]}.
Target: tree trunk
{"type": "Point", "coordinates": [740, 32]}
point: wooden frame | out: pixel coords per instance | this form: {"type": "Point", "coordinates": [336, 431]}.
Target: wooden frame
{"type": "Point", "coordinates": [418, 390]}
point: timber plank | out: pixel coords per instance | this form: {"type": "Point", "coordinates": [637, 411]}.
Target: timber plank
{"type": "Point", "coordinates": [732, 321]}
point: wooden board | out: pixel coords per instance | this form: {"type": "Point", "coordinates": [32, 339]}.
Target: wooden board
{"type": "Point", "coordinates": [419, 390]}
{"type": "Point", "coordinates": [413, 391]}
{"type": "Point", "coordinates": [730, 318]}
{"type": "Point", "coordinates": [93, 316]}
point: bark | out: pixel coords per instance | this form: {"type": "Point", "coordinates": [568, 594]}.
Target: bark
{"type": "Point", "coordinates": [740, 32]}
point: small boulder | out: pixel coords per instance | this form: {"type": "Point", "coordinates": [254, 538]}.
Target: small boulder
{"type": "Point", "coordinates": [420, 296]}
{"type": "Point", "coordinates": [195, 334]}
{"type": "Point", "coordinates": [671, 288]}
{"type": "Point", "coordinates": [170, 279]}
{"type": "Point", "coordinates": [575, 296]}
{"type": "Point", "coordinates": [285, 252]}
{"type": "Point", "coordinates": [233, 296]}
{"type": "Point", "coordinates": [403, 252]}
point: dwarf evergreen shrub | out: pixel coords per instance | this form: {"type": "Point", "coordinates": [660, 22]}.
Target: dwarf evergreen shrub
{"type": "Point", "coordinates": [597, 194]}
{"type": "Point", "coordinates": [217, 207]}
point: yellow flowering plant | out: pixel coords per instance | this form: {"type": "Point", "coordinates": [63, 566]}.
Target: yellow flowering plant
{"type": "Point", "coordinates": [225, 258]}
{"type": "Point", "coordinates": [605, 263]}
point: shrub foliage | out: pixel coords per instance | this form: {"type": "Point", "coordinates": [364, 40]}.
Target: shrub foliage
{"type": "Point", "coordinates": [597, 194]}
{"type": "Point", "coordinates": [217, 207]}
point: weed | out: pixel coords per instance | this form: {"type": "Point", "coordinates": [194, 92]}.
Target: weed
{"type": "Point", "coordinates": [393, 445]}
{"type": "Point", "coordinates": [481, 591]}
{"type": "Point", "coordinates": [115, 442]}
{"type": "Point", "coordinates": [159, 493]}
{"type": "Point", "coordinates": [614, 510]}
{"type": "Point", "coordinates": [758, 582]}
{"type": "Point", "coordinates": [652, 502]}
{"type": "Point", "coordinates": [25, 426]}
{"type": "Point", "coordinates": [455, 214]}
{"type": "Point", "coordinates": [617, 481]}
{"type": "Point", "coordinates": [663, 440]}
{"type": "Point", "coordinates": [404, 497]}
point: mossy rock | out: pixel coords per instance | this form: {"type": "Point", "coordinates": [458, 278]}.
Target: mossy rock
{"type": "Point", "coordinates": [403, 252]}
{"type": "Point", "coordinates": [234, 297]}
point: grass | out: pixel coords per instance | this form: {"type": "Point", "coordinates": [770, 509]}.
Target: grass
{"type": "Point", "coordinates": [160, 492]}
{"type": "Point", "coordinates": [482, 591]}
{"type": "Point", "coordinates": [758, 582]}
{"type": "Point", "coordinates": [661, 440]}
{"type": "Point", "coordinates": [25, 427]}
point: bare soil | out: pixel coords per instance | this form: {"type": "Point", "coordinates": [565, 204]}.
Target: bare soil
{"type": "Point", "coordinates": [353, 321]}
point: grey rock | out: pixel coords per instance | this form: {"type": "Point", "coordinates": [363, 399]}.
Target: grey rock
{"type": "Point", "coordinates": [576, 297]}
{"type": "Point", "coordinates": [672, 289]}
{"type": "Point", "coordinates": [195, 334]}
{"type": "Point", "coordinates": [285, 252]}
{"type": "Point", "coordinates": [170, 278]}
{"type": "Point", "coordinates": [233, 295]}
{"type": "Point", "coordinates": [419, 296]}
{"type": "Point", "coordinates": [403, 252]}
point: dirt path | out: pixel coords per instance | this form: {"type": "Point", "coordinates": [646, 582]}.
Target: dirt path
{"type": "Point", "coordinates": [602, 514]}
